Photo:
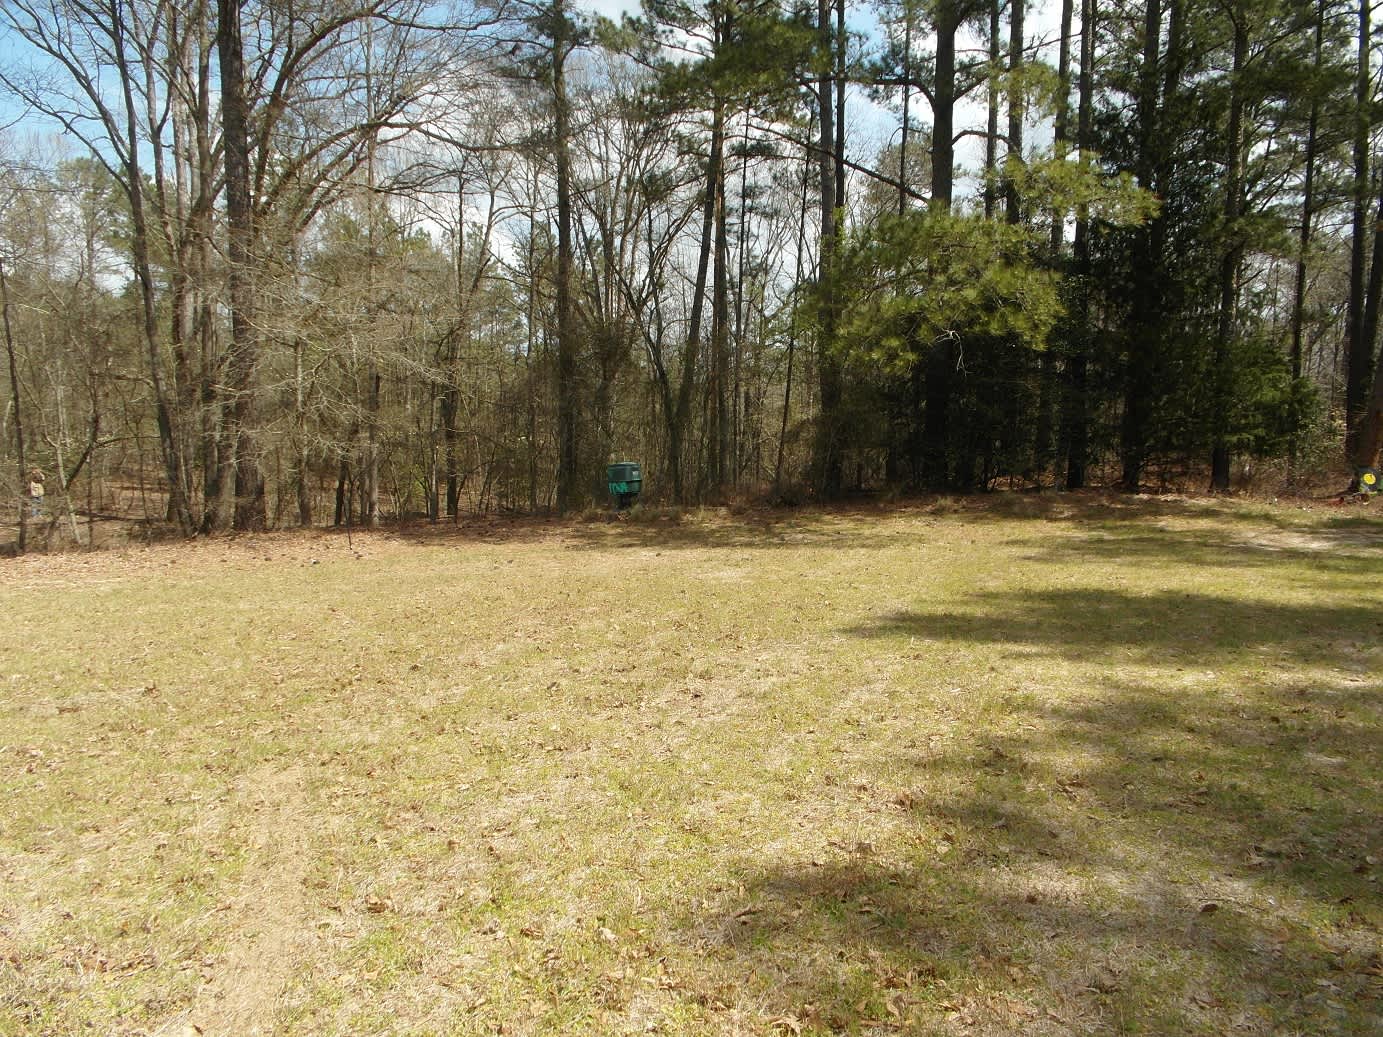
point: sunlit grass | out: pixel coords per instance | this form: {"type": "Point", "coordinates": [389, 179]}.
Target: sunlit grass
{"type": "Point", "coordinates": [1027, 766]}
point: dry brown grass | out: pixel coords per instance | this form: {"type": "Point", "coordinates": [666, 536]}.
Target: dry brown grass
{"type": "Point", "coordinates": [1034, 766]}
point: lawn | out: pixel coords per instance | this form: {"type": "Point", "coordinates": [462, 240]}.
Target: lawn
{"type": "Point", "coordinates": [1023, 766]}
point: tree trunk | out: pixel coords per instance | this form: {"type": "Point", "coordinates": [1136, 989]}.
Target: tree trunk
{"type": "Point", "coordinates": [1359, 351]}
{"type": "Point", "coordinates": [1075, 418]}
{"type": "Point", "coordinates": [450, 402]}
{"type": "Point", "coordinates": [1373, 293]}
{"type": "Point", "coordinates": [1222, 371]}
{"type": "Point", "coordinates": [718, 440]}
{"type": "Point", "coordinates": [16, 402]}
{"type": "Point", "coordinates": [943, 114]}
{"type": "Point", "coordinates": [1061, 128]}
{"type": "Point", "coordinates": [242, 483]}
{"type": "Point", "coordinates": [792, 334]}
{"type": "Point", "coordinates": [907, 110]}
{"type": "Point", "coordinates": [1371, 425]}
{"type": "Point", "coordinates": [300, 436]}
{"type": "Point", "coordinates": [1308, 212]}
{"type": "Point", "coordinates": [991, 136]}
{"type": "Point", "coordinates": [569, 494]}
{"type": "Point", "coordinates": [681, 414]}
{"type": "Point", "coordinates": [1145, 331]}
{"type": "Point", "coordinates": [343, 503]}
{"type": "Point", "coordinates": [1013, 204]}
{"type": "Point", "coordinates": [940, 361]}
{"type": "Point", "coordinates": [178, 503]}
{"type": "Point", "coordinates": [827, 460]}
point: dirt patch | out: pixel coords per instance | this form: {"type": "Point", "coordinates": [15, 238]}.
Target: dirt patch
{"type": "Point", "coordinates": [260, 955]}
{"type": "Point", "coordinates": [1317, 540]}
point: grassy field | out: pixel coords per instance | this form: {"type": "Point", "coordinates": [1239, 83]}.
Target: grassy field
{"type": "Point", "coordinates": [1037, 766]}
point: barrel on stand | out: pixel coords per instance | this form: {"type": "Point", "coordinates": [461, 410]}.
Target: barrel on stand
{"type": "Point", "coordinates": [625, 480]}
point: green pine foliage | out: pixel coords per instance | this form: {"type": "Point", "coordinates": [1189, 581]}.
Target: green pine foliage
{"type": "Point", "coordinates": [909, 280]}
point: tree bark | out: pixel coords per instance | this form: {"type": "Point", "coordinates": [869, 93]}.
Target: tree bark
{"type": "Point", "coordinates": [1061, 127]}
{"type": "Point", "coordinates": [827, 454]}
{"type": "Point", "coordinates": [1358, 350]}
{"type": "Point", "coordinates": [242, 484]}
{"type": "Point", "coordinates": [1075, 419]}
{"type": "Point", "coordinates": [1308, 212]}
{"type": "Point", "coordinates": [569, 495]}
{"type": "Point", "coordinates": [907, 109]}
{"type": "Point", "coordinates": [991, 136]}
{"type": "Point", "coordinates": [1145, 331]}
{"type": "Point", "coordinates": [1013, 204]}
{"type": "Point", "coordinates": [681, 414]}
{"type": "Point", "coordinates": [1371, 424]}
{"type": "Point", "coordinates": [944, 110]}
{"type": "Point", "coordinates": [940, 360]}
{"type": "Point", "coordinates": [16, 401]}
{"type": "Point", "coordinates": [178, 503]}
{"type": "Point", "coordinates": [718, 440]}
{"type": "Point", "coordinates": [1222, 371]}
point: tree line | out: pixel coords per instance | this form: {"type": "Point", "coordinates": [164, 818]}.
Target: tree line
{"type": "Point", "coordinates": [268, 263]}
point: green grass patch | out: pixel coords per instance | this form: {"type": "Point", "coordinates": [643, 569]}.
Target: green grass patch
{"type": "Point", "coordinates": [1026, 766]}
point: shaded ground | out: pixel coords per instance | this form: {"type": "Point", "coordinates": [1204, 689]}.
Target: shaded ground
{"type": "Point", "coordinates": [1041, 766]}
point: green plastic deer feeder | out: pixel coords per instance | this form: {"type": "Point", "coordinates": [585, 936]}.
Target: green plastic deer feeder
{"type": "Point", "coordinates": [625, 481]}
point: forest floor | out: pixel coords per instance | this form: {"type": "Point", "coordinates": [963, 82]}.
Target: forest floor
{"type": "Point", "coordinates": [1024, 766]}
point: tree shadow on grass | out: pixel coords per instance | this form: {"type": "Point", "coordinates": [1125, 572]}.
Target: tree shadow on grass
{"type": "Point", "coordinates": [848, 525]}
{"type": "Point", "coordinates": [1341, 552]}
{"type": "Point", "coordinates": [1119, 865]}
{"type": "Point", "coordinates": [1133, 855]}
{"type": "Point", "coordinates": [1161, 628]}
{"type": "Point", "coordinates": [755, 529]}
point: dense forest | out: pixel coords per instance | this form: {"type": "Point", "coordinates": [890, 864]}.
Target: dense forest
{"type": "Point", "coordinates": [336, 261]}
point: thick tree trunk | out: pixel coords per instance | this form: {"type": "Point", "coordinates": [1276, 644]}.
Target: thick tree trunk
{"type": "Point", "coordinates": [242, 484]}
{"type": "Point", "coordinates": [1373, 293]}
{"type": "Point", "coordinates": [1145, 330]}
{"type": "Point", "coordinates": [1358, 350]}
{"type": "Point", "coordinates": [827, 454]}
{"type": "Point", "coordinates": [1371, 425]}
{"type": "Point", "coordinates": [16, 401]}
{"type": "Point", "coordinates": [1047, 384]}
{"type": "Point", "coordinates": [568, 441]}
{"type": "Point", "coordinates": [1075, 418]}
{"type": "Point", "coordinates": [1222, 371]}
{"type": "Point", "coordinates": [944, 112]}
{"type": "Point", "coordinates": [1308, 212]}
{"type": "Point", "coordinates": [1308, 208]}
{"type": "Point", "coordinates": [718, 439]}
{"type": "Point", "coordinates": [940, 361]}
{"type": "Point", "coordinates": [1012, 203]}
